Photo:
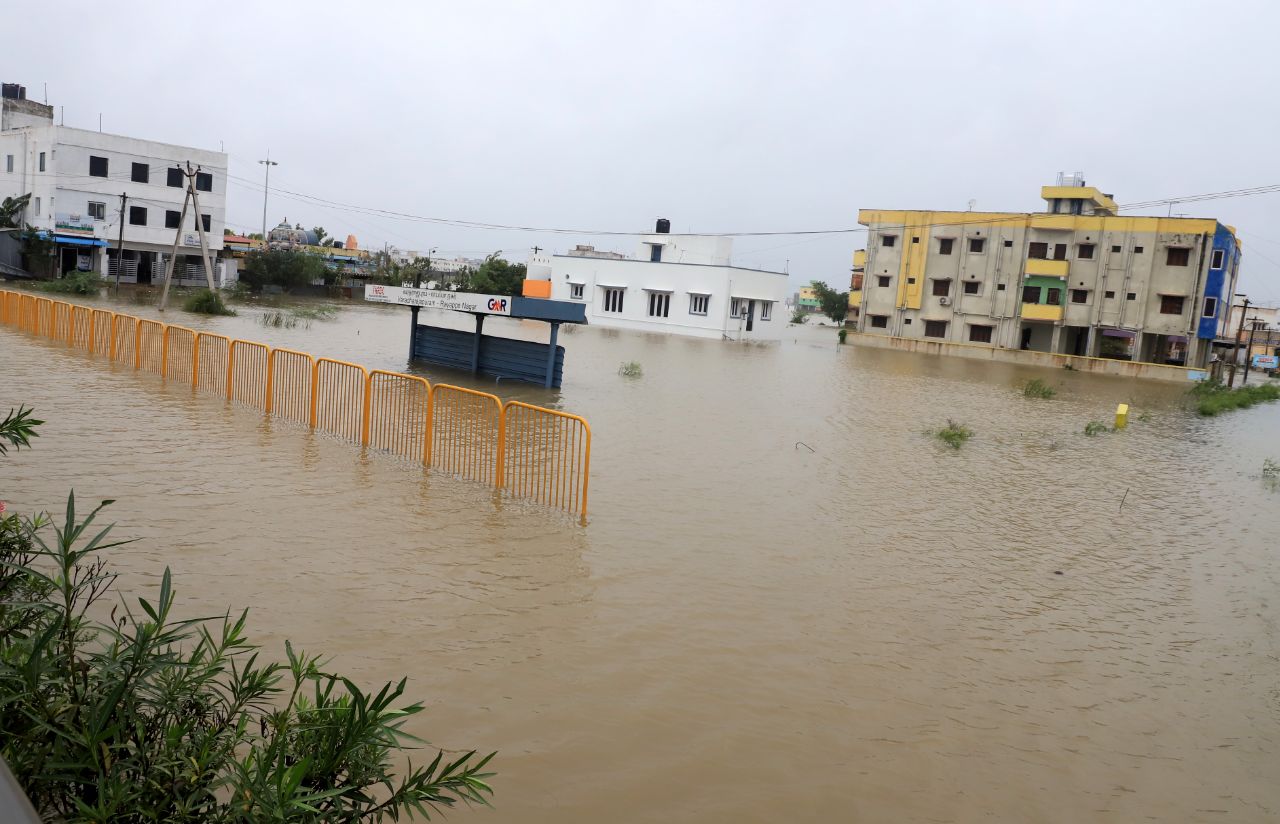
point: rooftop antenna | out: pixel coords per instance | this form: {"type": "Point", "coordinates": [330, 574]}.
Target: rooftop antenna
{"type": "Point", "coordinates": [46, 93]}
{"type": "Point", "coordinates": [99, 122]}
{"type": "Point", "coordinates": [972, 203]}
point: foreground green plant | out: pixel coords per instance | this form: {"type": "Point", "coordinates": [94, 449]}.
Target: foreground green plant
{"type": "Point", "coordinates": [17, 429]}
{"type": "Point", "coordinates": [74, 283]}
{"type": "Point", "coordinates": [155, 718]}
{"type": "Point", "coordinates": [630, 369]}
{"type": "Point", "coordinates": [1037, 388]}
{"type": "Point", "coordinates": [1214, 399]}
{"type": "Point", "coordinates": [207, 302]}
{"type": "Point", "coordinates": [954, 434]}
{"type": "Point", "coordinates": [152, 718]}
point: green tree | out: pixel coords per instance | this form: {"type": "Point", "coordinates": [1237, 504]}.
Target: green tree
{"type": "Point", "coordinates": [11, 209]}
{"type": "Point", "coordinates": [833, 304]}
{"type": "Point", "coordinates": [285, 269]}
{"type": "Point", "coordinates": [496, 276]}
{"type": "Point", "coordinates": [322, 237]}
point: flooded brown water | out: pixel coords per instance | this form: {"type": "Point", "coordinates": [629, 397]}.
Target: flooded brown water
{"type": "Point", "coordinates": [745, 630]}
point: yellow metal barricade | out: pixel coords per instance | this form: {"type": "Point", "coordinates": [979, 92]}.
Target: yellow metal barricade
{"type": "Point", "coordinates": [465, 426]}
{"type": "Point", "coordinates": [289, 378]}
{"type": "Point", "coordinates": [9, 302]}
{"type": "Point", "coordinates": [179, 355]}
{"type": "Point", "coordinates": [44, 317]}
{"type": "Point", "coordinates": [81, 336]}
{"type": "Point", "coordinates": [61, 321]}
{"type": "Point", "coordinates": [100, 331]}
{"type": "Point", "coordinates": [148, 347]}
{"type": "Point", "coordinates": [546, 456]}
{"type": "Point", "coordinates": [124, 338]}
{"type": "Point", "coordinates": [338, 398]}
{"type": "Point", "coordinates": [28, 320]}
{"type": "Point", "coordinates": [213, 355]}
{"type": "Point", "coordinates": [400, 415]}
{"type": "Point", "coordinates": [247, 373]}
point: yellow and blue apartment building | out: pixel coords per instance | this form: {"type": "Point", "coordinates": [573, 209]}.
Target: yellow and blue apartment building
{"type": "Point", "coordinates": [1075, 279]}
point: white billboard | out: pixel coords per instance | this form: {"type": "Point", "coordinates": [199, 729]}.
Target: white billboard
{"type": "Point", "coordinates": [437, 299]}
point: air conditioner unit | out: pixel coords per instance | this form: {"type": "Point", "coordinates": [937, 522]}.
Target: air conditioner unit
{"type": "Point", "coordinates": [944, 301]}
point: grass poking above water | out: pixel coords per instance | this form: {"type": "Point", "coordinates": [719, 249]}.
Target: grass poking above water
{"type": "Point", "coordinates": [1095, 428]}
{"type": "Point", "coordinates": [954, 434]}
{"type": "Point", "coordinates": [630, 369]}
{"type": "Point", "coordinates": [1214, 398]}
{"type": "Point", "coordinates": [1037, 388]}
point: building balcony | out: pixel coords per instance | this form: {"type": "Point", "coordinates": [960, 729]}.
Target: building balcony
{"type": "Point", "coordinates": [1048, 268]}
{"type": "Point", "coordinates": [1041, 311]}
{"type": "Point", "coordinates": [855, 298]}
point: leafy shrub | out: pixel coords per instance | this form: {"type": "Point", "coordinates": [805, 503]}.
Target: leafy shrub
{"type": "Point", "coordinates": [798, 316]}
{"type": "Point", "coordinates": [1225, 400]}
{"type": "Point", "coordinates": [630, 369]}
{"type": "Point", "coordinates": [1096, 428]}
{"type": "Point", "coordinates": [1270, 468]}
{"type": "Point", "coordinates": [284, 268]}
{"type": "Point", "coordinates": [954, 434]}
{"type": "Point", "coordinates": [146, 717]}
{"type": "Point", "coordinates": [74, 283]}
{"type": "Point", "coordinates": [1037, 388]}
{"type": "Point", "coordinates": [842, 334]}
{"type": "Point", "coordinates": [207, 302]}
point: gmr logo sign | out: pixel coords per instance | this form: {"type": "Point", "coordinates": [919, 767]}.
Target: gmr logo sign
{"type": "Point", "coordinates": [377, 291]}
{"type": "Point", "coordinates": [497, 304]}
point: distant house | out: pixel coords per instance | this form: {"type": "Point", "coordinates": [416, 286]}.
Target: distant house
{"type": "Point", "coordinates": [677, 284]}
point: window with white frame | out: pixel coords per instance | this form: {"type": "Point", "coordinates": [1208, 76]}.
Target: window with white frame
{"type": "Point", "coordinates": [613, 299]}
{"type": "Point", "coordinates": [659, 304]}
{"type": "Point", "coordinates": [738, 308]}
{"type": "Point", "coordinates": [698, 304]}
{"type": "Point", "coordinates": [766, 310]}
{"type": "Point", "coordinates": [97, 211]}
{"type": "Point", "coordinates": [1219, 257]}
{"type": "Point", "coordinates": [576, 290]}
{"type": "Point", "coordinates": [1210, 307]}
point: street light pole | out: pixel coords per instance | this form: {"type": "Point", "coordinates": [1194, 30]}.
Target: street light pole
{"type": "Point", "coordinates": [266, 186]}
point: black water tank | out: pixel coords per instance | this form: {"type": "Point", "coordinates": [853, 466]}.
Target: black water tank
{"type": "Point", "coordinates": [664, 226]}
{"type": "Point", "coordinates": [13, 91]}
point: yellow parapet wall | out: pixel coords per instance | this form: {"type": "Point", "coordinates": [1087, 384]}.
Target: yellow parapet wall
{"type": "Point", "coordinates": [526, 451]}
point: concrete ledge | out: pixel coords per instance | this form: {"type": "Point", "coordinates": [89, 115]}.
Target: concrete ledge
{"type": "Point", "coordinates": [975, 351]}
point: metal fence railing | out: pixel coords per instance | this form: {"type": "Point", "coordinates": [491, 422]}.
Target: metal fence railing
{"type": "Point", "coordinates": [524, 451]}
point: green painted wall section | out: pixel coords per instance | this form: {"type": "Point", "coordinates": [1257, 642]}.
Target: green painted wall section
{"type": "Point", "coordinates": [1046, 283]}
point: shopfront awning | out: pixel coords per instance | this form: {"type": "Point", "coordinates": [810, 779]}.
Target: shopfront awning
{"type": "Point", "coordinates": [76, 240]}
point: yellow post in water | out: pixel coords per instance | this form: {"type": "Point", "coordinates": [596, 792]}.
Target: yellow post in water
{"type": "Point", "coordinates": [1122, 415]}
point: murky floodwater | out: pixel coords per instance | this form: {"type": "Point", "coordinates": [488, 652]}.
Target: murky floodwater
{"type": "Point", "coordinates": [745, 630]}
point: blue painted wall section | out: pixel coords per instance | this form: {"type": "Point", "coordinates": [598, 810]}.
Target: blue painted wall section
{"type": "Point", "coordinates": [1217, 280]}
{"type": "Point", "coordinates": [503, 357]}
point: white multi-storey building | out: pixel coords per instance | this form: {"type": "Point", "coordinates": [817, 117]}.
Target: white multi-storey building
{"type": "Point", "coordinates": [680, 284]}
{"type": "Point", "coordinates": [75, 178]}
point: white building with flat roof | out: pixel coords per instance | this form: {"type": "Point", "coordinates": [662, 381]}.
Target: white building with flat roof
{"type": "Point", "coordinates": [75, 178]}
{"type": "Point", "coordinates": [678, 284]}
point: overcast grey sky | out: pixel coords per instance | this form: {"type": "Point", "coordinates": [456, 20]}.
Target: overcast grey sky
{"type": "Point", "coordinates": [722, 116]}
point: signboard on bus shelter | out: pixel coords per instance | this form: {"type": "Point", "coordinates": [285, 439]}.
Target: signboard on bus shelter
{"type": "Point", "coordinates": [1266, 362]}
{"type": "Point", "coordinates": [439, 299]}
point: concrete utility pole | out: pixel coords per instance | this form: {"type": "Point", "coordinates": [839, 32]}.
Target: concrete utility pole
{"type": "Point", "coordinates": [120, 246]}
{"type": "Point", "coordinates": [1235, 350]}
{"type": "Point", "coordinates": [1248, 355]}
{"type": "Point", "coordinates": [266, 185]}
{"type": "Point", "coordinates": [192, 198]}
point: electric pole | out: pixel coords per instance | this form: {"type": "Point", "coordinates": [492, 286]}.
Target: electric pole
{"type": "Point", "coordinates": [266, 185]}
{"type": "Point", "coordinates": [120, 246]}
{"type": "Point", "coordinates": [194, 199]}
{"type": "Point", "coordinates": [1248, 355]}
{"type": "Point", "coordinates": [1235, 350]}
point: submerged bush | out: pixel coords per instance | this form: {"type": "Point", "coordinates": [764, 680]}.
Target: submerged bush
{"type": "Point", "coordinates": [1036, 388]}
{"type": "Point", "coordinates": [1221, 399]}
{"type": "Point", "coordinates": [630, 369]}
{"type": "Point", "coordinates": [1096, 428]}
{"type": "Point", "coordinates": [954, 434]}
{"type": "Point", "coordinates": [207, 302]}
{"type": "Point", "coordinates": [842, 334]}
{"type": "Point", "coordinates": [799, 316]}
{"type": "Point", "coordinates": [74, 283]}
